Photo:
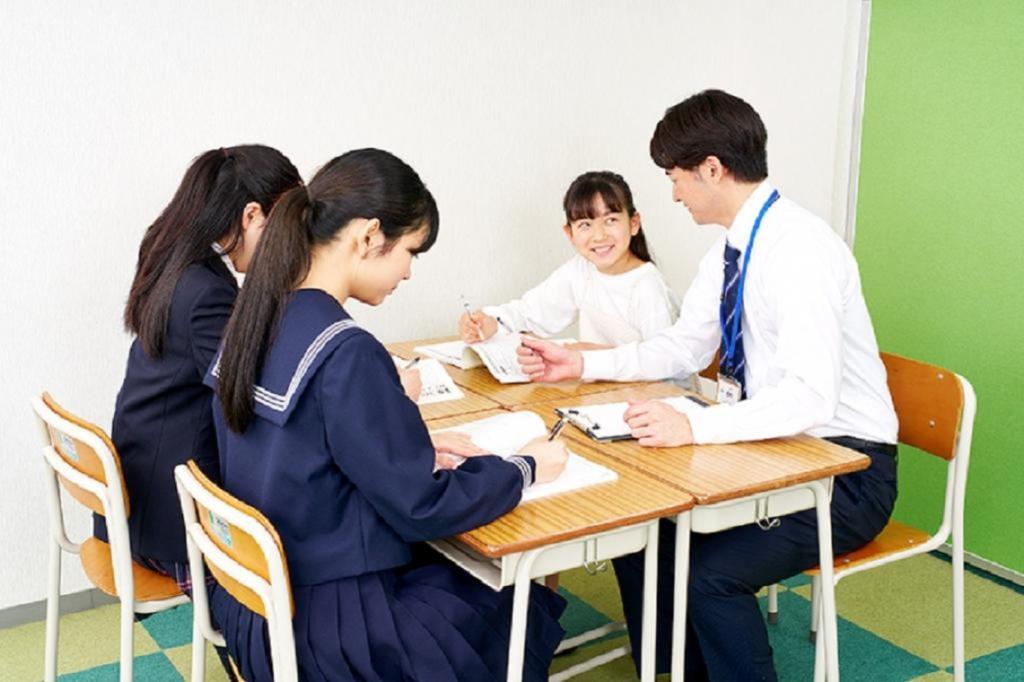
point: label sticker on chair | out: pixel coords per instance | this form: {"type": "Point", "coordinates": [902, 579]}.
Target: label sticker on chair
{"type": "Point", "coordinates": [220, 528]}
{"type": "Point", "coordinates": [67, 446]}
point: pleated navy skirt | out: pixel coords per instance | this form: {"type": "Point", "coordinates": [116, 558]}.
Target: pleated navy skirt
{"type": "Point", "coordinates": [427, 621]}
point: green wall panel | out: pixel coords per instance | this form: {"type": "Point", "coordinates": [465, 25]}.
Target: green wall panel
{"type": "Point", "coordinates": [940, 236]}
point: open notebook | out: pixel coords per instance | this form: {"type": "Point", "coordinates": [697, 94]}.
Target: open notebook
{"type": "Point", "coordinates": [604, 422]}
{"type": "Point", "coordinates": [497, 353]}
{"type": "Point", "coordinates": [437, 385]}
{"type": "Point", "coordinates": [505, 434]}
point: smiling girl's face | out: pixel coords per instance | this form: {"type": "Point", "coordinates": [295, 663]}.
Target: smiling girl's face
{"type": "Point", "coordinates": [604, 239]}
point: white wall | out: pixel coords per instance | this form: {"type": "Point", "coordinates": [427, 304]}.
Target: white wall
{"type": "Point", "coordinates": [498, 105]}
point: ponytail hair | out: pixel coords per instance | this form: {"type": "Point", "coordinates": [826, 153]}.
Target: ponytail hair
{"type": "Point", "coordinates": [613, 190]}
{"type": "Point", "coordinates": [365, 183]}
{"type": "Point", "coordinates": [206, 207]}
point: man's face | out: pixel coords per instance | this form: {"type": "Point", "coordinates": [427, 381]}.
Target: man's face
{"type": "Point", "coordinates": [690, 187]}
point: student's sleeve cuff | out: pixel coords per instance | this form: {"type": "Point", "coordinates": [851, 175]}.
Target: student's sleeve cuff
{"type": "Point", "coordinates": [527, 468]}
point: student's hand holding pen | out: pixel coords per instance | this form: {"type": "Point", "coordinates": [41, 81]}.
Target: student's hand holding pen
{"type": "Point", "coordinates": [476, 326]}
{"type": "Point", "coordinates": [549, 457]}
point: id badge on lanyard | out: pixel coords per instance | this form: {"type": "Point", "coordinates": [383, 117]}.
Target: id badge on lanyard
{"type": "Point", "coordinates": [730, 390]}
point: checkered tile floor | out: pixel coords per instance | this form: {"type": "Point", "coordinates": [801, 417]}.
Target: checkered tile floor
{"type": "Point", "coordinates": [894, 625]}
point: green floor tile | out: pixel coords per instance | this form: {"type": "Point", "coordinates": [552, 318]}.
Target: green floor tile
{"type": "Point", "coordinates": [910, 604]}
{"type": "Point", "coordinates": [1007, 664]}
{"type": "Point", "coordinates": [87, 639]}
{"type": "Point", "coordinates": [170, 628]}
{"type": "Point", "coordinates": [937, 676]}
{"type": "Point", "coordinates": [152, 668]}
{"type": "Point", "coordinates": [863, 656]}
{"type": "Point", "coordinates": [600, 591]}
{"type": "Point", "coordinates": [579, 616]}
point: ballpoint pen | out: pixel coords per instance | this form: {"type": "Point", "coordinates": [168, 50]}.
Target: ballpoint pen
{"type": "Point", "coordinates": [556, 429]}
{"type": "Point", "coordinates": [412, 363]}
{"type": "Point", "coordinates": [469, 313]}
{"type": "Point", "coordinates": [505, 326]}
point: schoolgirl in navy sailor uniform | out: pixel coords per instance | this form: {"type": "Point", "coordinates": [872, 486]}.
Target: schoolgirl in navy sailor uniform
{"type": "Point", "coordinates": [314, 430]}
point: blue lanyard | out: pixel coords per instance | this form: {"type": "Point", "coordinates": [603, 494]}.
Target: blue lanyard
{"type": "Point", "coordinates": [729, 340]}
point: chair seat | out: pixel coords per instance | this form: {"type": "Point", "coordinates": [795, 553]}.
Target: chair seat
{"type": "Point", "coordinates": [99, 567]}
{"type": "Point", "coordinates": [895, 537]}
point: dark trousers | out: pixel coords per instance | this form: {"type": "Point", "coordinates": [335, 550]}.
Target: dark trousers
{"type": "Point", "coordinates": [726, 637]}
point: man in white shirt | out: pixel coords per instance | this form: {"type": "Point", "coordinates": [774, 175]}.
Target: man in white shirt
{"type": "Point", "coordinates": [780, 293]}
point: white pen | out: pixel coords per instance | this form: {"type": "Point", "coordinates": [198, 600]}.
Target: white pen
{"type": "Point", "coordinates": [469, 313]}
{"type": "Point", "coordinates": [502, 323]}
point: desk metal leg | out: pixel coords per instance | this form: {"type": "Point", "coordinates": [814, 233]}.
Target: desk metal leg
{"type": "Point", "coordinates": [650, 618]}
{"type": "Point", "coordinates": [520, 609]}
{"type": "Point", "coordinates": [682, 580]}
{"type": "Point", "coordinates": [827, 627]}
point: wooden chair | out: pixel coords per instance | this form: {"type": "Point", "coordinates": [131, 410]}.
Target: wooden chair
{"type": "Point", "coordinates": [80, 457]}
{"type": "Point", "coordinates": [245, 555]}
{"type": "Point", "coordinates": [936, 410]}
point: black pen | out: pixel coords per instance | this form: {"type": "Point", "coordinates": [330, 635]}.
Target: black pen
{"type": "Point", "coordinates": [556, 429]}
{"type": "Point", "coordinates": [412, 363]}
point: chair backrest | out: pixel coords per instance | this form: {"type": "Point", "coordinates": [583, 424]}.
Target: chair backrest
{"type": "Point", "coordinates": [935, 408]}
{"type": "Point", "coordinates": [72, 442]}
{"type": "Point", "coordinates": [243, 552]}
{"type": "Point", "coordinates": [929, 403]}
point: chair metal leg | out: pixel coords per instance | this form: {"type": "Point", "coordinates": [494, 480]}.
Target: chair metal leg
{"type": "Point", "coordinates": [52, 613]}
{"type": "Point", "coordinates": [198, 651]}
{"type": "Point", "coordinates": [958, 602]}
{"type": "Point", "coordinates": [773, 603]}
{"type": "Point", "coordinates": [815, 607]}
{"type": "Point", "coordinates": [819, 656]}
{"type": "Point", "coordinates": [127, 650]}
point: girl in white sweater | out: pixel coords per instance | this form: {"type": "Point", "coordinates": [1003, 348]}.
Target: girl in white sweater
{"type": "Point", "coordinates": [611, 284]}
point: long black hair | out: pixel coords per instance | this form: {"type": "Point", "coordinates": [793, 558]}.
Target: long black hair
{"type": "Point", "coordinates": [206, 207]}
{"type": "Point", "coordinates": [613, 190]}
{"type": "Point", "coordinates": [365, 183]}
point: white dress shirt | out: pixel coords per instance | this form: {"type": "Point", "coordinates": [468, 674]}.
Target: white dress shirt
{"type": "Point", "coordinates": [612, 309]}
{"type": "Point", "coordinates": [812, 362]}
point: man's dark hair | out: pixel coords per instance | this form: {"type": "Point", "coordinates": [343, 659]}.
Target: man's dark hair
{"type": "Point", "coordinates": [712, 123]}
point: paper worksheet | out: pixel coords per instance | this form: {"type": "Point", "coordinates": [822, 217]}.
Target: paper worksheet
{"type": "Point", "coordinates": [605, 422]}
{"type": "Point", "coordinates": [437, 385]}
{"type": "Point", "coordinates": [506, 434]}
{"type": "Point", "coordinates": [497, 353]}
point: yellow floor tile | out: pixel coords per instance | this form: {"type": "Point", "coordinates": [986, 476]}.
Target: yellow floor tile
{"type": "Point", "coordinates": [181, 657]}
{"type": "Point", "coordinates": [87, 639]}
{"type": "Point", "coordinates": [920, 620]}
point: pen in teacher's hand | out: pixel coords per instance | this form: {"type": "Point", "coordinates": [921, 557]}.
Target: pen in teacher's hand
{"type": "Point", "coordinates": [469, 314]}
{"type": "Point", "coordinates": [556, 429]}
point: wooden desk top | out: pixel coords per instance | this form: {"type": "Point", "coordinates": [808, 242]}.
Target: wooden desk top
{"type": "Point", "coordinates": [714, 473]}
{"type": "Point", "coordinates": [479, 381]}
{"type": "Point", "coordinates": [632, 499]}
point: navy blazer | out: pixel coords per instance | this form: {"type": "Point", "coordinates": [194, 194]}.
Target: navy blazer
{"type": "Point", "coordinates": [339, 459]}
{"type": "Point", "coordinates": [163, 413]}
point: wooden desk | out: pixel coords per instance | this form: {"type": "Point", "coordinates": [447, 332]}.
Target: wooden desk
{"type": "Point", "coordinates": [479, 381]}
{"type": "Point", "coordinates": [584, 527]}
{"type": "Point", "coordinates": [733, 485]}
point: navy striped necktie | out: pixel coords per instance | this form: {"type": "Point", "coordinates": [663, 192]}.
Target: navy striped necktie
{"type": "Point", "coordinates": [730, 288]}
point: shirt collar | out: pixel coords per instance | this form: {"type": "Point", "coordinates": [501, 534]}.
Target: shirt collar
{"type": "Point", "coordinates": [739, 232]}
{"type": "Point", "coordinates": [228, 263]}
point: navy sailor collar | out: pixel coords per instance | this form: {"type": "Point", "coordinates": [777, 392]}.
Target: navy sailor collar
{"type": "Point", "coordinates": [312, 326]}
